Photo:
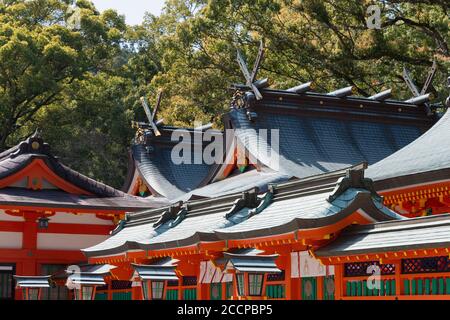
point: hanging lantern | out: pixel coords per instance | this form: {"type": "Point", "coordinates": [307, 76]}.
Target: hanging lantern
{"type": "Point", "coordinates": [85, 292]}
{"type": "Point", "coordinates": [250, 269]}
{"type": "Point", "coordinates": [32, 286]}
{"type": "Point", "coordinates": [155, 276]}
{"type": "Point", "coordinates": [153, 289]}
{"type": "Point", "coordinates": [43, 222]}
{"type": "Point", "coordinates": [85, 280]}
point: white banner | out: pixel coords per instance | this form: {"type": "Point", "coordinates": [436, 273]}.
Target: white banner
{"type": "Point", "coordinates": [217, 276]}
{"type": "Point", "coordinates": [210, 270]}
{"type": "Point", "coordinates": [295, 267]}
{"type": "Point", "coordinates": [310, 267]}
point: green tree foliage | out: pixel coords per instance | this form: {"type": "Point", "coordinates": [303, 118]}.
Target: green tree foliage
{"type": "Point", "coordinates": [78, 74]}
{"type": "Point", "coordinates": [58, 66]}
{"type": "Point", "coordinates": [327, 42]}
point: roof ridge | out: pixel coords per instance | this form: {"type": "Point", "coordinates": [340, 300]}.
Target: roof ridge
{"type": "Point", "coordinates": [407, 223]}
{"type": "Point", "coordinates": [35, 146]}
{"type": "Point", "coordinates": [319, 95]}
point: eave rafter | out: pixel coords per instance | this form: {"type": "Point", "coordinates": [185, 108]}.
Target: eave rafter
{"type": "Point", "coordinates": [386, 257]}
{"type": "Point", "coordinates": [416, 193]}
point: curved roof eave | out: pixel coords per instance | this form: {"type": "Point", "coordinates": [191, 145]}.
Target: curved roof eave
{"type": "Point", "coordinates": [426, 159]}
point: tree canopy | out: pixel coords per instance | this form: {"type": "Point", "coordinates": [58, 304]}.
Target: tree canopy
{"type": "Point", "coordinates": [77, 73]}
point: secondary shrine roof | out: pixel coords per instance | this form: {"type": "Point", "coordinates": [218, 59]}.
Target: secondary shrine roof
{"type": "Point", "coordinates": [321, 133]}
{"type": "Point", "coordinates": [426, 159]}
{"type": "Point", "coordinates": [411, 234]}
{"type": "Point", "coordinates": [154, 161]}
{"type": "Point", "coordinates": [318, 133]}
{"type": "Point", "coordinates": [30, 175]}
{"type": "Point", "coordinates": [307, 204]}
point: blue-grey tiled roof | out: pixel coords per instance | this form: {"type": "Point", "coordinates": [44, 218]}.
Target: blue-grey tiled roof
{"type": "Point", "coordinates": [314, 145]}
{"type": "Point", "coordinates": [428, 153]}
{"type": "Point", "coordinates": [32, 282]}
{"type": "Point", "coordinates": [311, 207]}
{"type": "Point", "coordinates": [238, 183]}
{"type": "Point", "coordinates": [409, 234]}
{"type": "Point", "coordinates": [168, 179]}
{"type": "Point", "coordinates": [303, 204]}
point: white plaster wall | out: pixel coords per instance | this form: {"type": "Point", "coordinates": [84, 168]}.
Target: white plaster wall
{"type": "Point", "coordinates": [7, 217]}
{"type": "Point", "coordinates": [10, 240]}
{"type": "Point", "coordinates": [58, 241]}
{"type": "Point", "coordinates": [87, 218]}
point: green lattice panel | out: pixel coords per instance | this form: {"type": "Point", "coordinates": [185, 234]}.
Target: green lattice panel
{"type": "Point", "coordinates": [360, 288]}
{"type": "Point", "coordinates": [6, 291]}
{"type": "Point", "coordinates": [229, 289]}
{"type": "Point", "coordinates": [275, 291]}
{"type": "Point", "coordinates": [190, 294]}
{"type": "Point", "coordinates": [309, 288]}
{"type": "Point", "coordinates": [121, 295]}
{"type": "Point", "coordinates": [101, 296]}
{"type": "Point", "coordinates": [328, 288]}
{"type": "Point", "coordinates": [216, 291]}
{"type": "Point", "coordinates": [428, 286]}
{"type": "Point", "coordinates": [172, 294]}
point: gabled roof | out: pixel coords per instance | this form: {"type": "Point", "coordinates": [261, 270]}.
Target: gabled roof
{"type": "Point", "coordinates": [241, 182]}
{"type": "Point", "coordinates": [32, 281]}
{"type": "Point", "coordinates": [20, 156]}
{"type": "Point", "coordinates": [60, 186]}
{"type": "Point", "coordinates": [306, 204]}
{"type": "Point", "coordinates": [410, 234]}
{"type": "Point", "coordinates": [153, 160]}
{"type": "Point", "coordinates": [162, 269]}
{"type": "Point", "coordinates": [20, 197]}
{"type": "Point", "coordinates": [251, 261]}
{"type": "Point", "coordinates": [426, 159]}
{"type": "Point", "coordinates": [318, 133]}
{"type": "Point", "coordinates": [321, 133]}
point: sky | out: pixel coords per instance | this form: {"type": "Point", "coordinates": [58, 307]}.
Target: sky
{"type": "Point", "coordinates": [133, 10]}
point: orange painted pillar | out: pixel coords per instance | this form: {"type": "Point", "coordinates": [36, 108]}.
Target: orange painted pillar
{"type": "Point", "coordinates": [320, 288]}
{"type": "Point", "coordinates": [180, 289]}
{"type": "Point", "coordinates": [29, 243]}
{"type": "Point", "coordinates": [295, 289]}
{"type": "Point", "coordinates": [398, 279]}
{"type": "Point", "coordinates": [338, 282]}
{"type": "Point", "coordinates": [110, 296]}
{"type": "Point", "coordinates": [287, 276]}
{"type": "Point", "coordinates": [200, 291]}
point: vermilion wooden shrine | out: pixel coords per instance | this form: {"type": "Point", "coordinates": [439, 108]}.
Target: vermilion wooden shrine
{"type": "Point", "coordinates": [312, 229]}
{"type": "Point", "coordinates": [48, 212]}
{"type": "Point", "coordinates": [355, 207]}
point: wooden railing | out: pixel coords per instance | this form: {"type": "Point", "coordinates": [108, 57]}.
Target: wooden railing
{"type": "Point", "coordinates": [358, 287]}
{"type": "Point", "coordinates": [172, 294]}
{"type": "Point", "coordinates": [422, 284]}
{"type": "Point", "coordinates": [276, 291]}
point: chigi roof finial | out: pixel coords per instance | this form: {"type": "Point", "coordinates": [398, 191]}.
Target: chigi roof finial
{"type": "Point", "coordinates": [420, 96]}
{"type": "Point", "coordinates": [250, 78]}
{"type": "Point", "coordinates": [37, 134]}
